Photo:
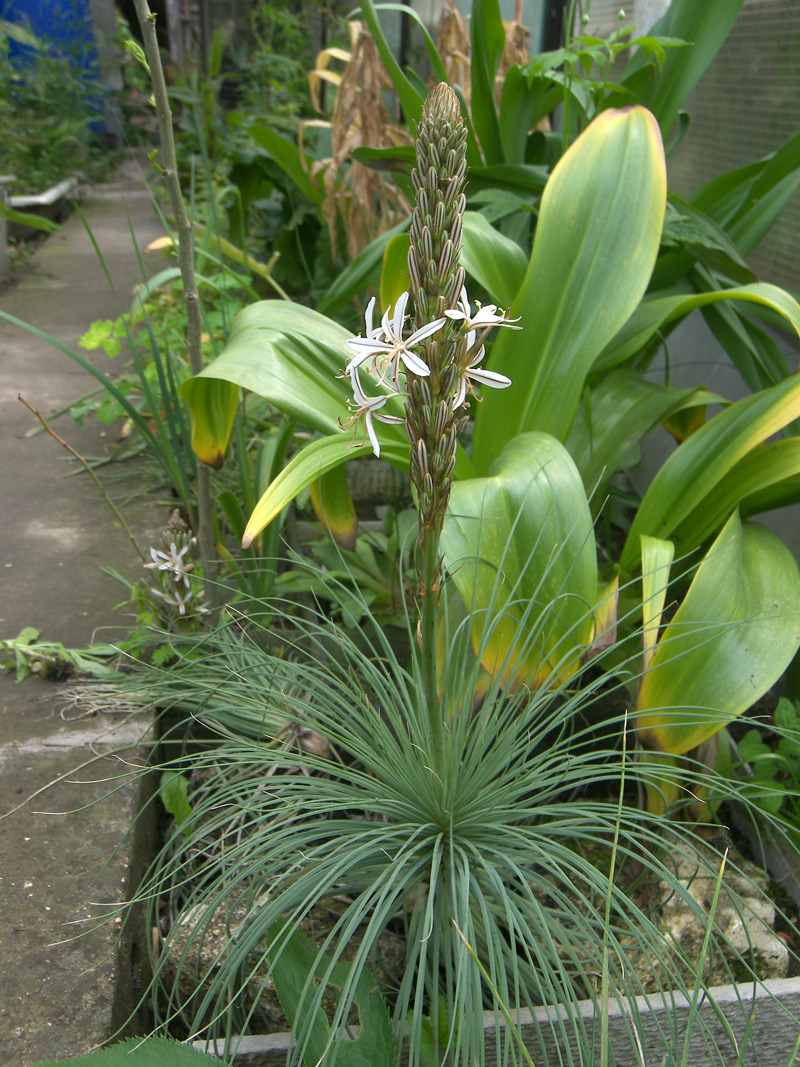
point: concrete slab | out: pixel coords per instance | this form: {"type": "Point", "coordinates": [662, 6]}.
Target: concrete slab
{"type": "Point", "coordinates": [58, 990]}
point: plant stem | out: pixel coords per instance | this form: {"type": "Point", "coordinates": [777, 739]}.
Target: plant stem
{"type": "Point", "coordinates": [429, 572]}
{"type": "Point", "coordinates": [194, 330]}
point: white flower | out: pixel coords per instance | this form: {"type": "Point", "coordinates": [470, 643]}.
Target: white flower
{"type": "Point", "coordinates": [182, 603]}
{"type": "Point", "coordinates": [483, 319]}
{"type": "Point", "coordinates": [173, 561]}
{"type": "Point", "coordinates": [474, 373]}
{"type": "Point", "coordinates": [367, 408]}
{"type": "Point", "coordinates": [386, 347]}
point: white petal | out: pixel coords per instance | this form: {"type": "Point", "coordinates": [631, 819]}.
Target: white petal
{"type": "Point", "coordinates": [376, 448]}
{"type": "Point", "coordinates": [359, 395]}
{"type": "Point", "coordinates": [414, 363]}
{"type": "Point", "coordinates": [400, 315]}
{"type": "Point", "coordinates": [425, 331]}
{"type": "Point", "coordinates": [368, 317]}
{"type": "Point", "coordinates": [366, 350]}
{"type": "Point", "coordinates": [490, 378]}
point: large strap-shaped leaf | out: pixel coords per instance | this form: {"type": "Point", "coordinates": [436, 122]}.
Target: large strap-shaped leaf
{"type": "Point", "coordinates": [315, 461]}
{"type": "Point", "coordinates": [287, 155]}
{"type": "Point", "coordinates": [596, 243]}
{"type": "Point", "coordinates": [410, 99]}
{"type": "Point", "coordinates": [729, 641]}
{"type": "Point", "coordinates": [519, 546]}
{"type": "Point", "coordinates": [488, 40]}
{"type": "Point", "coordinates": [773, 464]}
{"type": "Point", "coordinates": [493, 260]}
{"type": "Point", "coordinates": [653, 315]}
{"type": "Point", "coordinates": [704, 25]}
{"type": "Point", "coordinates": [615, 415]}
{"type": "Point", "coordinates": [287, 353]}
{"type": "Point", "coordinates": [698, 465]}
{"type": "Point", "coordinates": [213, 404]}
{"type": "Point", "coordinates": [360, 273]}
{"type": "Point", "coordinates": [334, 507]}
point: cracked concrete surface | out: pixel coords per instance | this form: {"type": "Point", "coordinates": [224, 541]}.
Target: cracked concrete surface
{"type": "Point", "coordinates": [59, 875]}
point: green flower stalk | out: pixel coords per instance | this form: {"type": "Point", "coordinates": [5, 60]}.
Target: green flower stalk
{"type": "Point", "coordinates": [432, 421]}
{"type": "Point", "coordinates": [436, 367]}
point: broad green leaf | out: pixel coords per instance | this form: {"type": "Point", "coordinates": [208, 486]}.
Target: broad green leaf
{"type": "Point", "coordinates": [28, 218]}
{"type": "Point", "coordinates": [312, 463]}
{"type": "Point", "coordinates": [596, 243]}
{"type": "Point", "coordinates": [615, 415]}
{"type": "Point", "coordinates": [698, 465]}
{"type": "Point", "coordinates": [399, 158]}
{"type": "Point", "coordinates": [777, 495]}
{"type": "Point", "coordinates": [296, 969]}
{"type": "Point", "coordinates": [212, 404]}
{"type": "Point", "coordinates": [141, 1052]}
{"type": "Point", "coordinates": [523, 103]}
{"type": "Point", "coordinates": [437, 66]}
{"type": "Point", "coordinates": [691, 237]}
{"type": "Point", "coordinates": [287, 353]}
{"type": "Point", "coordinates": [749, 231]}
{"type": "Point", "coordinates": [488, 41]}
{"type": "Point", "coordinates": [704, 26]}
{"type": "Point", "coordinates": [174, 792]}
{"type": "Point", "coordinates": [733, 636]}
{"type": "Point", "coordinates": [523, 178]}
{"type": "Point", "coordinates": [395, 278]}
{"type": "Point", "coordinates": [410, 100]}
{"type": "Point", "coordinates": [333, 505]}
{"type": "Point", "coordinates": [767, 195]}
{"type": "Point", "coordinates": [725, 196]}
{"type": "Point", "coordinates": [519, 547]}
{"type": "Point", "coordinates": [772, 463]}
{"type": "Point", "coordinates": [363, 271]}
{"type": "Point", "coordinates": [657, 556]}
{"type": "Point", "coordinates": [288, 157]}
{"type": "Point", "coordinates": [654, 314]}
{"type": "Point", "coordinates": [755, 353]}
{"type": "Point", "coordinates": [494, 261]}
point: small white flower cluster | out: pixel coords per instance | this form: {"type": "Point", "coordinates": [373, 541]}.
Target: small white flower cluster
{"type": "Point", "coordinates": [175, 570]}
{"type": "Point", "coordinates": [385, 355]}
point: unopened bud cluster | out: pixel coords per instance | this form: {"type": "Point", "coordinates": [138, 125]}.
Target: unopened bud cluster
{"type": "Point", "coordinates": [434, 369]}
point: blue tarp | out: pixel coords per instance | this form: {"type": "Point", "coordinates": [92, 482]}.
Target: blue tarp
{"type": "Point", "coordinates": [65, 28]}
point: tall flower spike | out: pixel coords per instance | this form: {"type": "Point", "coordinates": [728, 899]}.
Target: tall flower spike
{"type": "Point", "coordinates": [437, 282]}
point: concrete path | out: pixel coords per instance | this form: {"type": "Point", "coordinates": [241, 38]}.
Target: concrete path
{"type": "Point", "coordinates": [59, 994]}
